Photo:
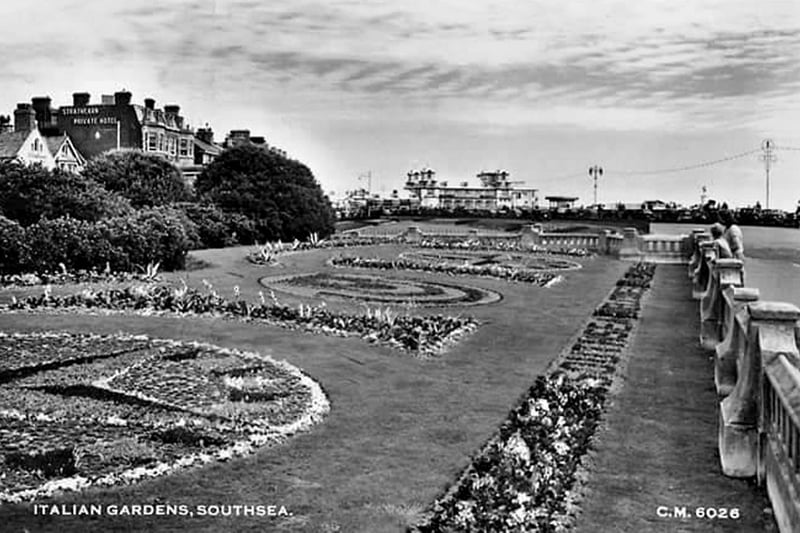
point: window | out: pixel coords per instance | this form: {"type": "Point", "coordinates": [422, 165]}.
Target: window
{"type": "Point", "coordinates": [184, 149]}
{"type": "Point", "coordinates": [152, 142]}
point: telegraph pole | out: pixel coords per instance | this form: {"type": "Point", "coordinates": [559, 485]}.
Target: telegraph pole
{"type": "Point", "coordinates": [768, 157]}
{"type": "Point", "coordinates": [595, 172]}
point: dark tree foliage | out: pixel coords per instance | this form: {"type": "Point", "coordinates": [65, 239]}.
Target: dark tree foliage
{"type": "Point", "coordinates": [147, 180]}
{"type": "Point", "coordinates": [279, 195]}
{"type": "Point", "coordinates": [29, 193]}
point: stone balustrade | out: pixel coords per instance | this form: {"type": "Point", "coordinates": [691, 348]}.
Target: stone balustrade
{"type": "Point", "coordinates": [629, 246]}
{"type": "Point", "coordinates": [757, 378]}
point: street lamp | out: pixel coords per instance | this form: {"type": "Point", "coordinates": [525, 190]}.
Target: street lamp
{"type": "Point", "coordinates": [595, 172]}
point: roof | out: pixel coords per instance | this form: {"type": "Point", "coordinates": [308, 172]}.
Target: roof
{"type": "Point", "coordinates": [54, 143]}
{"type": "Point", "coordinates": [561, 198]}
{"type": "Point", "coordinates": [208, 148]}
{"type": "Point", "coordinates": [11, 142]}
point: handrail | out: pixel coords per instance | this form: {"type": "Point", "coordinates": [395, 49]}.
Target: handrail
{"type": "Point", "coordinates": [757, 378]}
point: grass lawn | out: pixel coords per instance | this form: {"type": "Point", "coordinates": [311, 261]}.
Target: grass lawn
{"type": "Point", "coordinates": [399, 431]}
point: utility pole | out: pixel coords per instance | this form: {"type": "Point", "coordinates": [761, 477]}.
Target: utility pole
{"type": "Point", "coordinates": [368, 177]}
{"type": "Point", "coordinates": [768, 157]}
{"type": "Point", "coordinates": [595, 172]}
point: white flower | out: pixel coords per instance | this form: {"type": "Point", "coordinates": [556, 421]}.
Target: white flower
{"type": "Point", "coordinates": [517, 448]}
{"type": "Point", "coordinates": [561, 447]}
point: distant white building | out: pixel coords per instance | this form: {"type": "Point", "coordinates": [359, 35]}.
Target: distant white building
{"type": "Point", "coordinates": [494, 193]}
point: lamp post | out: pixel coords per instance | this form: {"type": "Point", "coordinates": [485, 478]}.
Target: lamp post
{"type": "Point", "coordinates": [595, 172]}
{"type": "Point", "coordinates": [767, 146]}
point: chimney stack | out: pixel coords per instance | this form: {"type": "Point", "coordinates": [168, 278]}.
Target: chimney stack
{"type": "Point", "coordinates": [24, 117]}
{"type": "Point", "coordinates": [41, 106]}
{"type": "Point", "coordinates": [122, 98]}
{"type": "Point", "coordinates": [80, 99]}
{"type": "Point", "coordinates": [205, 134]}
{"type": "Point", "coordinates": [149, 103]}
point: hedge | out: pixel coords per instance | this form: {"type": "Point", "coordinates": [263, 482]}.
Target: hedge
{"type": "Point", "coordinates": [124, 243]}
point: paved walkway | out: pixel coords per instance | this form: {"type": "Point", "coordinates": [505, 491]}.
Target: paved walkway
{"type": "Point", "coordinates": [657, 453]}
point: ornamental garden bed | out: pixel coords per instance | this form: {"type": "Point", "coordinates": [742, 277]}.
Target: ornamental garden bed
{"type": "Point", "coordinates": [424, 336]}
{"type": "Point", "coordinates": [87, 410]}
{"type": "Point", "coordinates": [505, 245]}
{"type": "Point", "coordinates": [496, 271]}
{"type": "Point", "coordinates": [379, 289]}
{"type": "Point", "coordinates": [529, 261]}
{"type": "Point", "coordinates": [524, 478]}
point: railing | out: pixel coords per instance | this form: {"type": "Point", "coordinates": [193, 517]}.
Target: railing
{"type": "Point", "coordinates": [757, 378]}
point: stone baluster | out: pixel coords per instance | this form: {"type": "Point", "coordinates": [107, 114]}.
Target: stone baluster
{"type": "Point", "coordinates": [702, 274]}
{"type": "Point", "coordinates": [412, 234]}
{"type": "Point", "coordinates": [630, 245]}
{"type": "Point", "coordinates": [734, 333]}
{"type": "Point", "coordinates": [724, 273]}
{"type": "Point", "coordinates": [771, 332]}
{"type": "Point", "coordinates": [697, 236]}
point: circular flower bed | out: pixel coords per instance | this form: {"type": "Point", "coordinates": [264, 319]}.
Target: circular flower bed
{"type": "Point", "coordinates": [88, 410]}
{"type": "Point", "coordinates": [379, 289]}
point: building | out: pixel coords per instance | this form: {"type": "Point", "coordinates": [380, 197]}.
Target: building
{"type": "Point", "coordinates": [561, 202]}
{"type": "Point", "coordinates": [243, 137]}
{"type": "Point", "coordinates": [493, 193]}
{"type": "Point", "coordinates": [205, 149]}
{"type": "Point", "coordinates": [25, 143]}
{"type": "Point", "coordinates": [117, 123]}
{"type": "Point", "coordinates": [66, 156]}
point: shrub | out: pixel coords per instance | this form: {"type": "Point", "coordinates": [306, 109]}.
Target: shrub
{"type": "Point", "coordinates": [145, 179]}
{"type": "Point", "coordinates": [75, 243]}
{"type": "Point", "coordinates": [30, 193]}
{"type": "Point", "coordinates": [124, 243]}
{"type": "Point", "coordinates": [211, 225]}
{"type": "Point", "coordinates": [13, 246]}
{"type": "Point", "coordinates": [151, 235]}
{"type": "Point", "coordinates": [280, 195]}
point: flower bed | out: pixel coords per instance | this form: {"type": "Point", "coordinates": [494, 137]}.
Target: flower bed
{"type": "Point", "coordinates": [523, 478]}
{"type": "Point", "coordinates": [64, 277]}
{"type": "Point", "coordinates": [267, 254]}
{"type": "Point", "coordinates": [507, 273]}
{"type": "Point", "coordinates": [422, 335]}
{"type": "Point", "coordinates": [379, 289]}
{"type": "Point", "coordinates": [88, 410]}
{"type": "Point", "coordinates": [503, 245]}
{"type": "Point", "coordinates": [485, 258]}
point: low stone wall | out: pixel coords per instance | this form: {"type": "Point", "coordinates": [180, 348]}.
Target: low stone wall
{"type": "Point", "coordinates": [757, 378]}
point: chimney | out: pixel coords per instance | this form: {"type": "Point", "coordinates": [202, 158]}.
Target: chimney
{"type": "Point", "coordinates": [258, 140]}
{"type": "Point", "coordinates": [172, 109]}
{"type": "Point", "coordinates": [5, 124]}
{"type": "Point", "coordinates": [80, 99]}
{"type": "Point", "coordinates": [41, 106]}
{"type": "Point", "coordinates": [122, 98]}
{"type": "Point", "coordinates": [149, 103]}
{"type": "Point", "coordinates": [24, 117]}
{"type": "Point", "coordinates": [205, 134]}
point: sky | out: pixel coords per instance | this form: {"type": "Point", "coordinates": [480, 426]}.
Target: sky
{"type": "Point", "coordinates": [541, 88]}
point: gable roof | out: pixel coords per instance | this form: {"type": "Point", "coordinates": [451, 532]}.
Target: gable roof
{"type": "Point", "coordinates": [11, 142]}
{"type": "Point", "coordinates": [54, 143]}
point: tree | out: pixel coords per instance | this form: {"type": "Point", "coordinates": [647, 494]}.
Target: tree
{"type": "Point", "coordinates": [29, 193]}
{"type": "Point", "coordinates": [145, 179]}
{"type": "Point", "coordinates": [280, 195]}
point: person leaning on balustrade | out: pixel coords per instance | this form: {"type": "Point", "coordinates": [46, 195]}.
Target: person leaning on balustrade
{"type": "Point", "coordinates": [721, 246]}
{"type": "Point", "coordinates": [733, 234]}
